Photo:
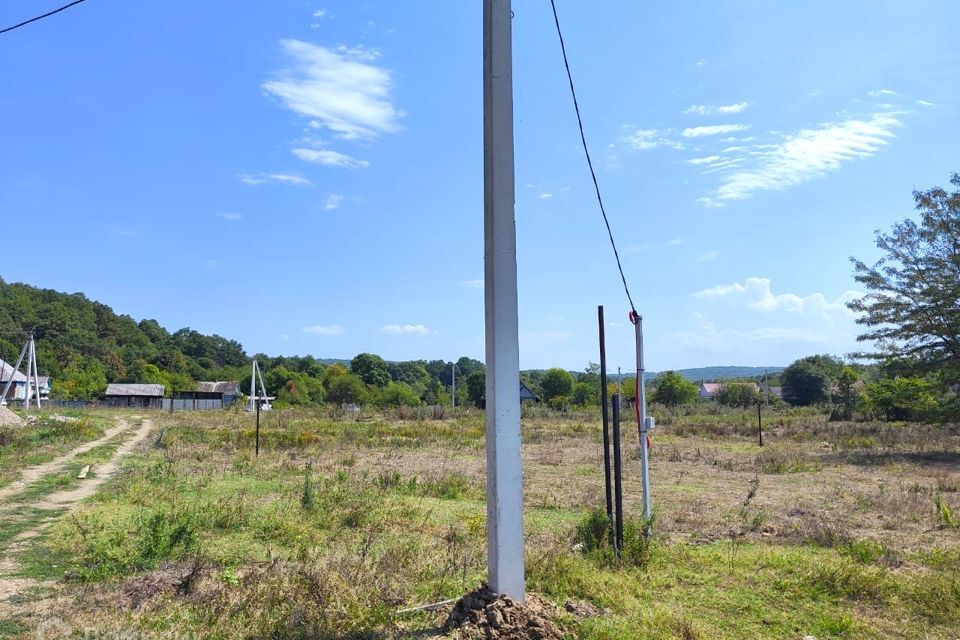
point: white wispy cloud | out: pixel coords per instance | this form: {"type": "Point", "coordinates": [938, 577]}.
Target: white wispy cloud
{"type": "Point", "coordinates": [713, 130]}
{"type": "Point", "coordinates": [319, 13]}
{"type": "Point", "coordinates": [340, 90]}
{"type": "Point", "coordinates": [881, 92]}
{"type": "Point", "coordinates": [725, 109]}
{"type": "Point", "coordinates": [326, 330]}
{"type": "Point", "coordinates": [332, 201]}
{"type": "Point", "coordinates": [330, 158]}
{"type": "Point", "coordinates": [472, 284]}
{"type": "Point", "coordinates": [926, 103]}
{"type": "Point", "coordinates": [804, 156]}
{"type": "Point", "coordinates": [546, 195]}
{"type": "Point", "coordinates": [757, 294]}
{"type": "Point", "coordinates": [645, 139]}
{"type": "Point", "coordinates": [126, 233]}
{"type": "Point", "coordinates": [675, 242]}
{"type": "Point", "coordinates": [708, 256]}
{"type": "Point", "coordinates": [405, 329]}
{"type": "Point", "coordinates": [264, 178]}
{"type": "Point", "coordinates": [705, 160]}
{"type": "Point", "coordinates": [228, 215]}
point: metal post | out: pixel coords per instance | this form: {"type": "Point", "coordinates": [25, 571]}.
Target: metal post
{"type": "Point", "coordinates": [258, 429]}
{"type": "Point", "coordinates": [759, 423]}
{"type": "Point", "coordinates": [617, 474]}
{"type": "Point", "coordinates": [604, 404]}
{"type": "Point", "coordinates": [253, 384]}
{"type": "Point", "coordinates": [642, 416]}
{"type": "Point", "coordinates": [453, 391]}
{"type": "Point", "coordinates": [504, 468]}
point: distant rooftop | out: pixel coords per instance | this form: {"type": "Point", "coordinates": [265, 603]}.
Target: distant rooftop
{"type": "Point", "coordinates": [152, 390]}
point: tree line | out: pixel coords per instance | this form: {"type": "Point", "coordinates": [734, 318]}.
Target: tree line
{"type": "Point", "coordinates": [911, 312]}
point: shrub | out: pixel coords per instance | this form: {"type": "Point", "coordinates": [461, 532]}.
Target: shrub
{"type": "Point", "coordinates": [307, 498]}
{"type": "Point", "coordinates": [593, 536]}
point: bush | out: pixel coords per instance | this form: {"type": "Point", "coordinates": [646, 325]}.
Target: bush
{"type": "Point", "coordinates": [739, 394]}
{"type": "Point", "coordinates": [672, 390]}
{"type": "Point", "coordinates": [593, 536]}
{"type": "Point", "coordinates": [307, 498]}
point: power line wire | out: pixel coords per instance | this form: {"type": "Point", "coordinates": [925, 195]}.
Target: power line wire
{"type": "Point", "coordinates": [586, 152]}
{"type": "Point", "coordinates": [46, 15]}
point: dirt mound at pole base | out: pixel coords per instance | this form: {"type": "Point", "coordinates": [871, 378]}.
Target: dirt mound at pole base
{"type": "Point", "coordinates": [484, 614]}
{"type": "Point", "coordinates": [9, 418]}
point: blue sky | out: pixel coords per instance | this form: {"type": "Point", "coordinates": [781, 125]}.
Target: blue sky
{"type": "Point", "coordinates": [306, 177]}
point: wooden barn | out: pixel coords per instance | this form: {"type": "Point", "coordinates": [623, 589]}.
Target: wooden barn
{"type": "Point", "coordinates": [222, 393]}
{"type": "Point", "coordinates": [139, 396]}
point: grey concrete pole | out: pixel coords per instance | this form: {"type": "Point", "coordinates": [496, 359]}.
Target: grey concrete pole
{"type": "Point", "coordinates": [26, 391]}
{"type": "Point", "coordinates": [504, 469]}
{"type": "Point", "coordinates": [36, 372]}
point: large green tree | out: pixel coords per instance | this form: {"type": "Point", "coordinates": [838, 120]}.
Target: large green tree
{"type": "Point", "coordinates": [477, 388]}
{"type": "Point", "coordinates": [912, 308]}
{"type": "Point", "coordinates": [672, 389]}
{"type": "Point", "coordinates": [346, 389]}
{"type": "Point", "coordinates": [805, 383]}
{"type": "Point", "coordinates": [556, 383]}
{"type": "Point", "coordinates": [371, 368]}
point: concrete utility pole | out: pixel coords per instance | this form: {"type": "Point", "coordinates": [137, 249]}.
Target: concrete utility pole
{"type": "Point", "coordinates": [504, 469]}
{"type": "Point", "coordinates": [16, 369]}
{"type": "Point", "coordinates": [453, 391]}
{"type": "Point", "coordinates": [33, 378]}
{"type": "Point", "coordinates": [36, 373]}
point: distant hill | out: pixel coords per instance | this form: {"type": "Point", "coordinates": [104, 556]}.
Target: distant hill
{"type": "Point", "coordinates": [725, 372]}
{"type": "Point", "coordinates": [697, 374]}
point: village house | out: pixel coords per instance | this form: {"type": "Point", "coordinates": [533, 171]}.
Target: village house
{"type": "Point", "coordinates": [18, 389]}
{"type": "Point", "coordinates": [226, 393]}
{"type": "Point", "coordinates": [140, 396]}
{"type": "Point", "coordinates": [710, 390]}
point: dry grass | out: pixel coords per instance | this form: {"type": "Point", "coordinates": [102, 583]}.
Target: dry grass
{"type": "Point", "coordinates": [842, 516]}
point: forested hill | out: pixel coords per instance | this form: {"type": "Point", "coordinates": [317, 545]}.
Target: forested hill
{"type": "Point", "coordinates": [85, 340]}
{"type": "Point", "coordinates": [84, 345]}
{"type": "Point", "coordinates": [726, 373]}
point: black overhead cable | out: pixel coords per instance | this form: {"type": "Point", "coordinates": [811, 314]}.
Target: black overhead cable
{"type": "Point", "coordinates": [586, 152]}
{"type": "Point", "coordinates": [46, 15]}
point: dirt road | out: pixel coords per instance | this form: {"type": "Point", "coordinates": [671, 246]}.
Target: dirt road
{"type": "Point", "coordinates": [24, 598]}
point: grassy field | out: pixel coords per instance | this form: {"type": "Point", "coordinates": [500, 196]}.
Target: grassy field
{"type": "Point", "coordinates": [832, 530]}
{"type": "Point", "coordinates": [45, 437]}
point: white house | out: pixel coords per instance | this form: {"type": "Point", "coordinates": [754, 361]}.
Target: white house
{"type": "Point", "coordinates": [710, 390]}
{"type": "Point", "coordinates": [19, 387]}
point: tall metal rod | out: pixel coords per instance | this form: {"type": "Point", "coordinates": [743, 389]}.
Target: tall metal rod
{"type": "Point", "coordinates": [16, 369]}
{"type": "Point", "coordinates": [617, 474]}
{"type": "Point", "coordinates": [505, 562]}
{"type": "Point", "coordinates": [642, 417]}
{"type": "Point", "coordinates": [759, 423]}
{"type": "Point", "coordinates": [258, 429]}
{"type": "Point", "coordinates": [453, 390]}
{"type": "Point", "coordinates": [604, 411]}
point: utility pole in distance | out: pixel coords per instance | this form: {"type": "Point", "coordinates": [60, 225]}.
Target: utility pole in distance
{"type": "Point", "coordinates": [504, 469]}
{"type": "Point", "coordinates": [453, 389]}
